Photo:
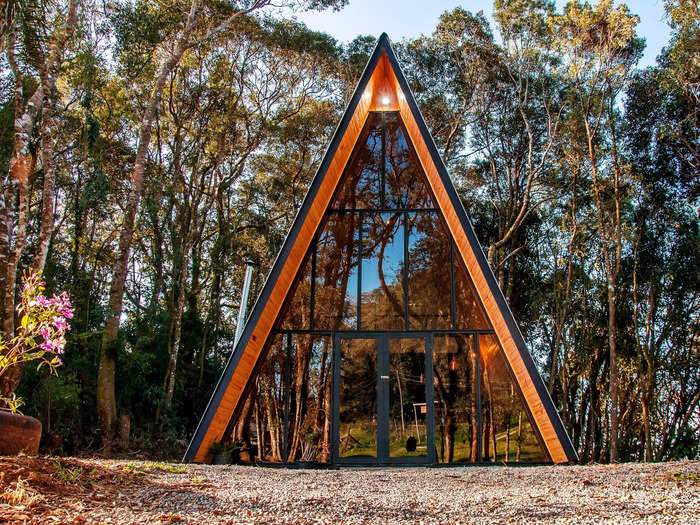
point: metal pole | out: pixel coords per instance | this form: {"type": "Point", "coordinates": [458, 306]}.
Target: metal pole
{"type": "Point", "coordinates": [244, 302]}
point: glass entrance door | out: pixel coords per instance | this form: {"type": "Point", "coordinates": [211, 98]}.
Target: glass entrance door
{"type": "Point", "coordinates": [382, 398]}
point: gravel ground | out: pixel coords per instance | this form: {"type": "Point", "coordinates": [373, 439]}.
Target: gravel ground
{"type": "Point", "coordinates": [628, 493]}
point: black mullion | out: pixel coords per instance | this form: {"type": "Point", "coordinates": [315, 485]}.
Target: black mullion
{"type": "Point", "coordinates": [363, 333]}
{"type": "Point", "coordinates": [381, 210]}
{"type": "Point", "coordinates": [287, 386]}
{"type": "Point", "coordinates": [359, 271]}
{"type": "Point", "coordinates": [313, 284]}
{"type": "Point", "coordinates": [453, 295]}
{"type": "Point", "coordinates": [405, 270]}
{"type": "Point", "coordinates": [477, 367]}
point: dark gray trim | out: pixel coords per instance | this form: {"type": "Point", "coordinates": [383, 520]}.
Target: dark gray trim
{"type": "Point", "coordinates": [382, 381]}
{"type": "Point", "coordinates": [261, 302]}
{"type": "Point", "coordinates": [444, 331]}
{"type": "Point", "coordinates": [383, 46]}
{"type": "Point", "coordinates": [517, 336]}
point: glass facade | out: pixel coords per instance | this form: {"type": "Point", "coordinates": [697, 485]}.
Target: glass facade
{"type": "Point", "coordinates": [383, 352]}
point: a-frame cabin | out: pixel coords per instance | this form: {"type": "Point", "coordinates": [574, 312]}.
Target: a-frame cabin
{"type": "Point", "coordinates": [381, 335]}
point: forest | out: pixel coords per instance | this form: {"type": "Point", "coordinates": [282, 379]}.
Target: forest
{"type": "Point", "coordinates": [149, 150]}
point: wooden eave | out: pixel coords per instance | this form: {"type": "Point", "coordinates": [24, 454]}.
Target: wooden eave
{"type": "Point", "coordinates": [381, 87]}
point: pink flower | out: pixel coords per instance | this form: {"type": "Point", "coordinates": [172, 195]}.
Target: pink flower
{"type": "Point", "coordinates": [43, 301]}
{"type": "Point", "coordinates": [59, 323]}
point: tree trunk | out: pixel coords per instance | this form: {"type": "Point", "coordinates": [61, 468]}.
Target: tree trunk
{"type": "Point", "coordinates": [23, 161]}
{"type": "Point", "coordinates": [614, 388]}
{"type": "Point", "coordinates": [47, 197]}
{"type": "Point", "coordinates": [106, 395]}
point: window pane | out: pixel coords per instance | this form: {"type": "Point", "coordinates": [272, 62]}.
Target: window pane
{"type": "Point", "coordinates": [261, 421]}
{"type": "Point", "coordinates": [407, 407]}
{"type": "Point", "coordinates": [429, 296]}
{"type": "Point", "coordinates": [405, 185]}
{"type": "Point", "coordinates": [309, 401]}
{"type": "Point", "coordinates": [358, 398]}
{"type": "Point", "coordinates": [401, 185]}
{"type": "Point", "coordinates": [455, 398]}
{"type": "Point", "coordinates": [335, 306]}
{"type": "Point", "coordinates": [470, 314]}
{"type": "Point", "coordinates": [297, 311]}
{"type": "Point", "coordinates": [382, 272]}
{"type": "Point", "coordinates": [507, 433]}
{"type": "Point", "coordinates": [360, 185]}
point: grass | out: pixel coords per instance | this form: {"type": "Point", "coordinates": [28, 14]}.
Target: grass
{"type": "Point", "coordinates": [74, 476]}
{"type": "Point", "coordinates": [529, 447]}
{"type": "Point", "coordinates": [20, 494]}
{"type": "Point", "coordinates": [153, 466]}
{"type": "Point", "coordinates": [678, 476]}
{"type": "Point", "coordinates": [364, 444]}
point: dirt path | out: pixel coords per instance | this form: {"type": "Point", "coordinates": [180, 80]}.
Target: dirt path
{"type": "Point", "coordinates": [52, 490]}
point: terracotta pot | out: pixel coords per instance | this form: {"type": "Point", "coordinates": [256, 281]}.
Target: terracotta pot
{"type": "Point", "coordinates": [19, 434]}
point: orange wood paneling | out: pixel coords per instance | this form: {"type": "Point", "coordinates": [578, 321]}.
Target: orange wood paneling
{"type": "Point", "coordinates": [467, 251]}
{"type": "Point", "coordinates": [284, 283]}
{"type": "Point", "coordinates": [381, 93]}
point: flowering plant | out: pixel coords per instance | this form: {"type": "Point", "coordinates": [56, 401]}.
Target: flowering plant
{"type": "Point", "coordinates": [40, 334]}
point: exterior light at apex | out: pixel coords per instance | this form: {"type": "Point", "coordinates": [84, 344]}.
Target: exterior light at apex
{"type": "Point", "coordinates": [385, 100]}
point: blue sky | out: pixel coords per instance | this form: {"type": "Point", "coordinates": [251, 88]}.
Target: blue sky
{"type": "Point", "coordinates": [411, 18]}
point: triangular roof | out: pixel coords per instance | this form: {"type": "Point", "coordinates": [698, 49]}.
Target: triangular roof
{"type": "Point", "coordinates": [381, 78]}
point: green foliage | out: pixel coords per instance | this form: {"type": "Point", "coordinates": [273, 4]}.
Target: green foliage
{"type": "Point", "coordinates": [680, 477]}
{"type": "Point", "coordinates": [74, 476]}
{"type": "Point", "coordinates": [686, 445]}
{"type": "Point", "coordinates": [225, 448]}
{"type": "Point", "coordinates": [153, 466]}
{"type": "Point", "coordinates": [238, 135]}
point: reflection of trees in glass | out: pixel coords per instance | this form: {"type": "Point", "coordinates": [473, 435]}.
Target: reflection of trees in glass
{"type": "Point", "coordinates": [360, 185]}
{"type": "Point", "coordinates": [309, 411]}
{"type": "Point", "coordinates": [309, 402]}
{"type": "Point", "coordinates": [455, 411]}
{"type": "Point", "coordinates": [358, 396]}
{"type": "Point", "coordinates": [297, 311]}
{"type": "Point", "coordinates": [405, 185]}
{"type": "Point", "coordinates": [382, 272]}
{"type": "Point", "coordinates": [470, 314]}
{"type": "Point", "coordinates": [428, 272]}
{"type": "Point", "coordinates": [335, 305]}
{"type": "Point", "coordinates": [507, 435]}
{"type": "Point", "coordinates": [406, 396]}
{"type": "Point", "coordinates": [262, 414]}
{"type": "Point", "coordinates": [399, 276]}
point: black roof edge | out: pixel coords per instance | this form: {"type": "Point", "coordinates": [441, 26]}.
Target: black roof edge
{"type": "Point", "coordinates": [542, 391]}
{"type": "Point", "coordinates": [382, 45]}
